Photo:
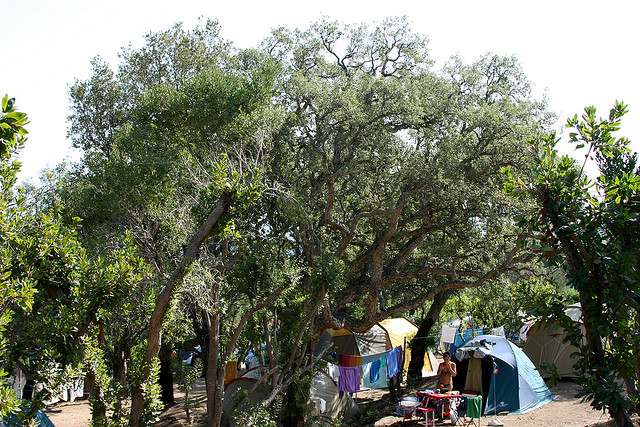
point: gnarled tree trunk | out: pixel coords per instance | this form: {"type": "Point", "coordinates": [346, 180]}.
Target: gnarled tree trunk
{"type": "Point", "coordinates": [419, 342]}
{"type": "Point", "coordinates": [166, 376]}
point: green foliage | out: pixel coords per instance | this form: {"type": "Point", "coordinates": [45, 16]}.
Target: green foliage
{"type": "Point", "coordinates": [253, 415]}
{"type": "Point", "coordinates": [16, 290]}
{"type": "Point", "coordinates": [550, 371]}
{"type": "Point", "coordinates": [150, 387]}
{"type": "Point", "coordinates": [366, 416]}
{"type": "Point", "coordinates": [12, 128]}
{"type": "Point", "coordinates": [182, 121]}
{"type": "Point", "coordinates": [360, 181]}
{"type": "Point", "coordinates": [590, 228]}
{"type": "Point", "coordinates": [52, 290]}
{"type": "Point", "coordinates": [508, 303]}
{"type": "Point", "coordinates": [187, 375]}
{"type": "Point", "coordinates": [105, 393]}
{"type": "Point", "coordinates": [393, 167]}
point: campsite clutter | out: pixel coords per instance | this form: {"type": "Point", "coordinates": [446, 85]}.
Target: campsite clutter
{"type": "Point", "coordinates": [493, 374]}
{"type": "Point", "coordinates": [374, 357]}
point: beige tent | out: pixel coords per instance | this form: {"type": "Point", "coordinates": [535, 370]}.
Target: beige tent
{"type": "Point", "coordinates": [546, 347]}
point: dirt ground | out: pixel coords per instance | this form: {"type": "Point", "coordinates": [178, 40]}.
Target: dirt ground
{"type": "Point", "coordinates": [70, 414]}
{"type": "Point", "coordinates": [78, 413]}
{"type": "Point", "coordinates": [565, 411]}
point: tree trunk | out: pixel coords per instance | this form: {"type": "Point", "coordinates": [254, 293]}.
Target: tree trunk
{"type": "Point", "coordinates": [214, 393]}
{"type": "Point", "coordinates": [120, 374]}
{"type": "Point", "coordinates": [419, 342]}
{"type": "Point", "coordinates": [164, 299]}
{"type": "Point", "coordinates": [293, 411]}
{"type": "Point", "coordinates": [98, 409]}
{"type": "Point", "coordinates": [166, 376]}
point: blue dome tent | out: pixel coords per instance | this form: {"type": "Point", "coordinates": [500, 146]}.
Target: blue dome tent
{"type": "Point", "coordinates": [502, 373]}
{"type": "Point", "coordinates": [12, 421]}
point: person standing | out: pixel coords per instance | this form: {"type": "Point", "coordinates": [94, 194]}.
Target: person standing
{"type": "Point", "coordinates": [446, 372]}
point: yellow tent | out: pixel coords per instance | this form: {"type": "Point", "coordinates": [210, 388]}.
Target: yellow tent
{"type": "Point", "coordinates": [400, 331]}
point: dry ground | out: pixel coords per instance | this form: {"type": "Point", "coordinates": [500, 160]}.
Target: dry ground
{"type": "Point", "coordinates": [565, 411]}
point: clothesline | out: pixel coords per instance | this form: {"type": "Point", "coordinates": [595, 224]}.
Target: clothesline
{"type": "Point", "coordinates": [353, 360]}
{"type": "Point", "coordinates": [372, 370]}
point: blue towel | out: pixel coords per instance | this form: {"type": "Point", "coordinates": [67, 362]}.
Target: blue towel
{"type": "Point", "coordinates": [375, 374]}
{"type": "Point", "coordinates": [392, 362]}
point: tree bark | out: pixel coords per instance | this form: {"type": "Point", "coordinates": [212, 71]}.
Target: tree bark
{"type": "Point", "coordinates": [120, 369]}
{"type": "Point", "coordinates": [214, 390]}
{"type": "Point", "coordinates": [293, 408]}
{"type": "Point", "coordinates": [164, 299]}
{"type": "Point", "coordinates": [166, 377]}
{"type": "Point", "coordinates": [98, 409]}
{"type": "Point", "coordinates": [419, 342]}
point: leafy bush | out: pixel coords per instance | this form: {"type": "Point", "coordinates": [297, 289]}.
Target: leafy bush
{"type": "Point", "coordinates": [249, 414]}
{"type": "Point", "coordinates": [186, 377]}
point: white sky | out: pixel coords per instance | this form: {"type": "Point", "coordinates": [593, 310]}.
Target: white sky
{"type": "Point", "coordinates": [578, 52]}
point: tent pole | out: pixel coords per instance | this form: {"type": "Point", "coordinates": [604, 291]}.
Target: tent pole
{"type": "Point", "coordinates": [495, 421]}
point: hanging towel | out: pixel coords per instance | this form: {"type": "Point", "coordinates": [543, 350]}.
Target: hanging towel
{"type": "Point", "coordinates": [474, 407]}
{"type": "Point", "coordinates": [349, 361]}
{"type": "Point", "coordinates": [400, 357]}
{"type": "Point", "coordinates": [474, 376]}
{"type": "Point", "coordinates": [349, 380]}
{"type": "Point", "coordinates": [374, 374]}
{"type": "Point", "coordinates": [392, 363]}
{"type": "Point", "coordinates": [334, 372]}
{"type": "Point", "coordinates": [448, 334]}
{"type": "Point", "coordinates": [372, 357]}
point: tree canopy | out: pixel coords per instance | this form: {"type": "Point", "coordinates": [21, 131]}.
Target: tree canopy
{"type": "Point", "coordinates": [247, 199]}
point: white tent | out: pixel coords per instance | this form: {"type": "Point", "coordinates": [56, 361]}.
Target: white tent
{"type": "Point", "coordinates": [328, 403]}
{"type": "Point", "coordinates": [324, 395]}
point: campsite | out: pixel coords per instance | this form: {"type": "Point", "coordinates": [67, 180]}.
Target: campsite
{"type": "Point", "coordinates": [319, 214]}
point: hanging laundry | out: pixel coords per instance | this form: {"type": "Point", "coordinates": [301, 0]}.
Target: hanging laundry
{"type": "Point", "coordinates": [393, 365]}
{"type": "Point", "coordinates": [399, 353]}
{"type": "Point", "coordinates": [374, 374]}
{"type": "Point", "coordinates": [498, 331]}
{"type": "Point", "coordinates": [349, 361]}
{"type": "Point", "coordinates": [372, 357]}
{"type": "Point", "coordinates": [349, 381]}
{"type": "Point", "coordinates": [334, 372]}
{"type": "Point", "coordinates": [448, 334]}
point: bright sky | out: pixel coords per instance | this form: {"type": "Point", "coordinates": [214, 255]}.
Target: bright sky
{"type": "Point", "coordinates": [578, 52]}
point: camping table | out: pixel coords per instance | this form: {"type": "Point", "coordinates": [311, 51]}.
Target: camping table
{"type": "Point", "coordinates": [437, 397]}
